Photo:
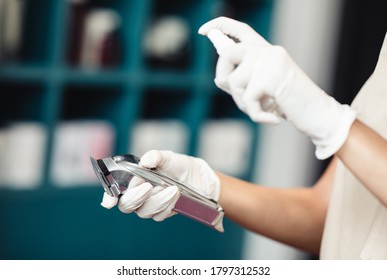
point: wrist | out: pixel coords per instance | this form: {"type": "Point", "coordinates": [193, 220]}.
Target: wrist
{"type": "Point", "coordinates": [316, 114]}
{"type": "Point", "coordinates": [337, 133]}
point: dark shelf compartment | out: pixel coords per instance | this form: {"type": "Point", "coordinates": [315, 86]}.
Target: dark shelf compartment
{"type": "Point", "coordinates": [36, 33]}
{"type": "Point", "coordinates": [83, 102]}
{"type": "Point", "coordinates": [256, 13]}
{"type": "Point", "coordinates": [222, 105]}
{"type": "Point", "coordinates": [21, 101]}
{"type": "Point", "coordinates": [166, 103]}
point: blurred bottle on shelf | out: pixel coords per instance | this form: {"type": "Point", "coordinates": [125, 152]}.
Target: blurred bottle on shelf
{"type": "Point", "coordinates": [74, 143]}
{"type": "Point", "coordinates": [159, 135]}
{"type": "Point", "coordinates": [100, 48]}
{"type": "Point", "coordinates": [22, 149]}
{"type": "Point", "coordinates": [94, 41]}
{"type": "Point", "coordinates": [11, 22]}
{"type": "Point", "coordinates": [225, 144]}
{"type": "Point", "coordinates": [167, 42]}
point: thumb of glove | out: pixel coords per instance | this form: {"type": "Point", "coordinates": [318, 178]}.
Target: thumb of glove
{"type": "Point", "coordinates": [166, 162]}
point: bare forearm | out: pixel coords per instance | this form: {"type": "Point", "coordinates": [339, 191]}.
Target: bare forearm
{"type": "Point", "coordinates": [292, 216]}
{"type": "Point", "coordinates": [365, 154]}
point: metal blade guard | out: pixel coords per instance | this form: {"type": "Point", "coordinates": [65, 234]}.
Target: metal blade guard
{"type": "Point", "coordinates": [115, 174]}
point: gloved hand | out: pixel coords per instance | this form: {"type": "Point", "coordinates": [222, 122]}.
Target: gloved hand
{"type": "Point", "coordinates": [252, 69]}
{"type": "Point", "coordinates": [157, 202]}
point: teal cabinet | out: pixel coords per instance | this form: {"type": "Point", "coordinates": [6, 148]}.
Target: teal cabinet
{"type": "Point", "coordinates": [43, 85]}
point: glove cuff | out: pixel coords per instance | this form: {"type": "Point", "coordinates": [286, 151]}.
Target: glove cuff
{"type": "Point", "coordinates": [340, 126]}
{"type": "Point", "coordinates": [216, 187]}
{"type": "Point", "coordinates": [212, 190]}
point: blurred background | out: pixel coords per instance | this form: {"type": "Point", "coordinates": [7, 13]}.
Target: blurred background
{"type": "Point", "coordinates": [85, 78]}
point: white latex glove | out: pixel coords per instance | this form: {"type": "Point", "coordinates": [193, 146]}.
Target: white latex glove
{"type": "Point", "coordinates": [157, 202]}
{"type": "Point", "coordinates": [253, 69]}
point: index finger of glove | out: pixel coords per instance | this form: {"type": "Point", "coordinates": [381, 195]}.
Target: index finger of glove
{"type": "Point", "coordinates": [160, 204]}
{"type": "Point", "coordinates": [133, 198]}
{"type": "Point", "coordinates": [236, 29]}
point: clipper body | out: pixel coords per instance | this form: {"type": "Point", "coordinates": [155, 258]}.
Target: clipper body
{"type": "Point", "coordinates": [115, 174]}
